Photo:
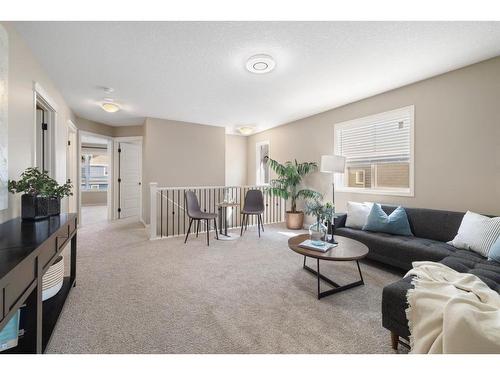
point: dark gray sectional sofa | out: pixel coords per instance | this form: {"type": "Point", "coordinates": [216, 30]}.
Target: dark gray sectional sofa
{"type": "Point", "coordinates": [432, 229]}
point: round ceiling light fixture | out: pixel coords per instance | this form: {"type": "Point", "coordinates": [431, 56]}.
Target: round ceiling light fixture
{"type": "Point", "coordinates": [246, 130]}
{"type": "Point", "coordinates": [260, 64]}
{"type": "Point", "coordinates": [110, 106]}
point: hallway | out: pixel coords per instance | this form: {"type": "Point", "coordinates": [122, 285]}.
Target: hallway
{"type": "Point", "coordinates": [93, 215]}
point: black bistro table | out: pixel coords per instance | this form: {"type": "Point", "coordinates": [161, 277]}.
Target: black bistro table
{"type": "Point", "coordinates": [223, 220]}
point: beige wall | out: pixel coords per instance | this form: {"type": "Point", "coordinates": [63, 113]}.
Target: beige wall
{"type": "Point", "coordinates": [457, 140]}
{"type": "Point", "coordinates": [23, 71]}
{"type": "Point", "coordinates": [181, 154]}
{"type": "Point", "coordinates": [128, 131]}
{"type": "Point", "coordinates": [110, 131]}
{"type": "Point", "coordinates": [236, 160]}
{"type": "Point", "coordinates": [93, 127]}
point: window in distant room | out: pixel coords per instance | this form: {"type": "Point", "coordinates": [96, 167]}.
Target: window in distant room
{"type": "Point", "coordinates": [262, 172]}
{"type": "Point", "coordinates": [95, 168]}
{"type": "Point", "coordinates": [379, 153]}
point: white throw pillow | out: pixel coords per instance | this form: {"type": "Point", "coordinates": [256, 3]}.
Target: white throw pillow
{"type": "Point", "coordinates": [477, 233]}
{"type": "Point", "coordinates": [357, 214]}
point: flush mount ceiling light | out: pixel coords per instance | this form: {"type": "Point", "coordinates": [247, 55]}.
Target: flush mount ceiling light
{"type": "Point", "coordinates": [246, 130]}
{"type": "Point", "coordinates": [108, 103]}
{"type": "Point", "coordinates": [110, 106]}
{"type": "Point", "coordinates": [260, 64]}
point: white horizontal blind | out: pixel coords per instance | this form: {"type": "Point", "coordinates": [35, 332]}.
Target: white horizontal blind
{"type": "Point", "coordinates": [382, 138]}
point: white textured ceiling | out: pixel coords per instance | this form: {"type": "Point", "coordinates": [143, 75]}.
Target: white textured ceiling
{"type": "Point", "coordinates": [195, 71]}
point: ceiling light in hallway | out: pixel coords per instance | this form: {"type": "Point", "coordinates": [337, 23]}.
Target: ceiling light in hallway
{"type": "Point", "coordinates": [246, 130]}
{"type": "Point", "coordinates": [260, 64]}
{"type": "Point", "coordinates": [109, 106]}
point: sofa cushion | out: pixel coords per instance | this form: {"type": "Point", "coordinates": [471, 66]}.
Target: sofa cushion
{"type": "Point", "coordinates": [433, 224]}
{"type": "Point", "coordinates": [465, 261]}
{"type": "Point", "coordinates": [398, 251]}
{"type": "Point", "coordinates": [477, 233]}
{"type": "Point", "coordinates": [395, 223]}
{"type": "Point", "coordinates": [357, 214]}
{"type": "Point", "coordinates": [494, 253]}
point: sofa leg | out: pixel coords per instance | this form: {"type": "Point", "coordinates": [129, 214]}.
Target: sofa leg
{"type": "Point", "coordinates": [394, 340]}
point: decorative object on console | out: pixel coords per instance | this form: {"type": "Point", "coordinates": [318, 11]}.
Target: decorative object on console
{"type": "Point", "coordinates": [357, 213]}
{"type": "Point", "coordinates": [53, 279]}
{"type": "Point", "coordinates": [56, 192]}
{"type": "Point", "coordinates": [477, 233]}
{"type": "Point", "coordinates": [42, 194]}
{"type": "Point", "coordinates": [286, 185]}
{"type": "Point", "coordinates": [395, 223]}
{"type": "Point", "coordinates": [9, 335]}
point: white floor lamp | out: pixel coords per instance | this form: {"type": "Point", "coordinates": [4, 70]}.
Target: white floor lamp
{"type": "Point", "coordinates": [332, 164]}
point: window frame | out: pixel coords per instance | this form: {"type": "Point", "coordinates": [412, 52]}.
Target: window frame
{"type": "Point", "coordinates": [339, 177]}
{"type": "Point", "coordinates": [257, 163]}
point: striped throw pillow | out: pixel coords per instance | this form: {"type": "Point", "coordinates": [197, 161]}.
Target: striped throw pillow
{"type": "Point", "coordinates": [477, 233]}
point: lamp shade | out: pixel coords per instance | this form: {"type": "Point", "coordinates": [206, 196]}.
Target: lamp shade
{"type": "Point", "coordinates": [332, 164]}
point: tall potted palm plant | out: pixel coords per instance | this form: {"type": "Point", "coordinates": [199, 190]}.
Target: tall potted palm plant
{"type": "Point", "coordinates": [286, 186]}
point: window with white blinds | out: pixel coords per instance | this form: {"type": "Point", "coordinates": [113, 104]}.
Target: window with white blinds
{"type": "Point", "coordinates": [378, 151]}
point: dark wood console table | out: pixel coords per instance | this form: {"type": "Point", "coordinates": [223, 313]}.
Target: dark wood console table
{"type": "Point", "coordinates": [27, 250]}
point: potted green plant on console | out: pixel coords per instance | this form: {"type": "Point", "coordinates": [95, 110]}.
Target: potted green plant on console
{"type": "Point", "coordinates": [41, 194]}
{"type": "Point", "coordinates": [55, 193]}
{"type": "Point", "coordinates": [286, 186]}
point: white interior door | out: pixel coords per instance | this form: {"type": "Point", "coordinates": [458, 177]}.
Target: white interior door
{"type": "Point", "coordinates": [130, 179]}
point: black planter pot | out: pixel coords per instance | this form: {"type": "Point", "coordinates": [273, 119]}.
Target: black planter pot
{"type": "Point", "coordinates": [54, 206]}
{"type": "Point", "coordinates": [34, 207]}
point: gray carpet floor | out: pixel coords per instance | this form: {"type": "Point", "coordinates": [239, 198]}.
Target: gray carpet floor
{"type": "Point", "coordinates": [250, 295]}
{"type": "Point", "coordinates": [94, 214]}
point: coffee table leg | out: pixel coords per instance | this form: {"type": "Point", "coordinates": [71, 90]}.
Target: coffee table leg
{"type": "Point", "coordinates": [319, 279]}
{"type": "Point", "coordinates": [360, 274]}
{"type": "Point", "coordinates": [336, 287]}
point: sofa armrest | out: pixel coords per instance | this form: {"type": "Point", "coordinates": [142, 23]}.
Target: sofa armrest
{"type": "Point", "coordinates": [340, 221]}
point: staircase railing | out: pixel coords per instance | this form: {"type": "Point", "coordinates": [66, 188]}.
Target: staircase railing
{"type": "Point", "coordinates": [168, 217]}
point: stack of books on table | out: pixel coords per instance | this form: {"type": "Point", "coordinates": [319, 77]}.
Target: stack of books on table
{"type": "Point", "coordinates": [314, 245]}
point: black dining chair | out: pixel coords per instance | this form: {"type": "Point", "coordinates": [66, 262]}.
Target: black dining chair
{"type": "Point", "coordinates": [254, 205]}
{"type": "Point", "coordinates": [196, 214]}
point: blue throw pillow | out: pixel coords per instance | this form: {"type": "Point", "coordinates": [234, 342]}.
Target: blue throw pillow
{"type": "Point", "coordinates": [494, 253]}
{"type": "Point", "coordinates": [395, 223]}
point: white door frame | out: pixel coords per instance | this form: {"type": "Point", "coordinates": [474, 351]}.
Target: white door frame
{"type": "Point", "coordinates": [137, 140]}
{"type": "Point", "coordinates": [110, 201]}
{"type": "Point", "coordinates": [72, 129]}
{"type": "Point", "coordinates": [41, 96]}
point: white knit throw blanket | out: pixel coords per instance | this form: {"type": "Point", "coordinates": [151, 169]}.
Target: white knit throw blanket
{"type": "Point", "coordinates": [451, 312]}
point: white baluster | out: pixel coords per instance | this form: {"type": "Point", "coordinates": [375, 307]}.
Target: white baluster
{"type": "Point", "coordinates": [153, 188]}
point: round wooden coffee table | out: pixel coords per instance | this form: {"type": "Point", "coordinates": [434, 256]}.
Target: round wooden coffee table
{"type": "Point", "coordinates": [346, 250]}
